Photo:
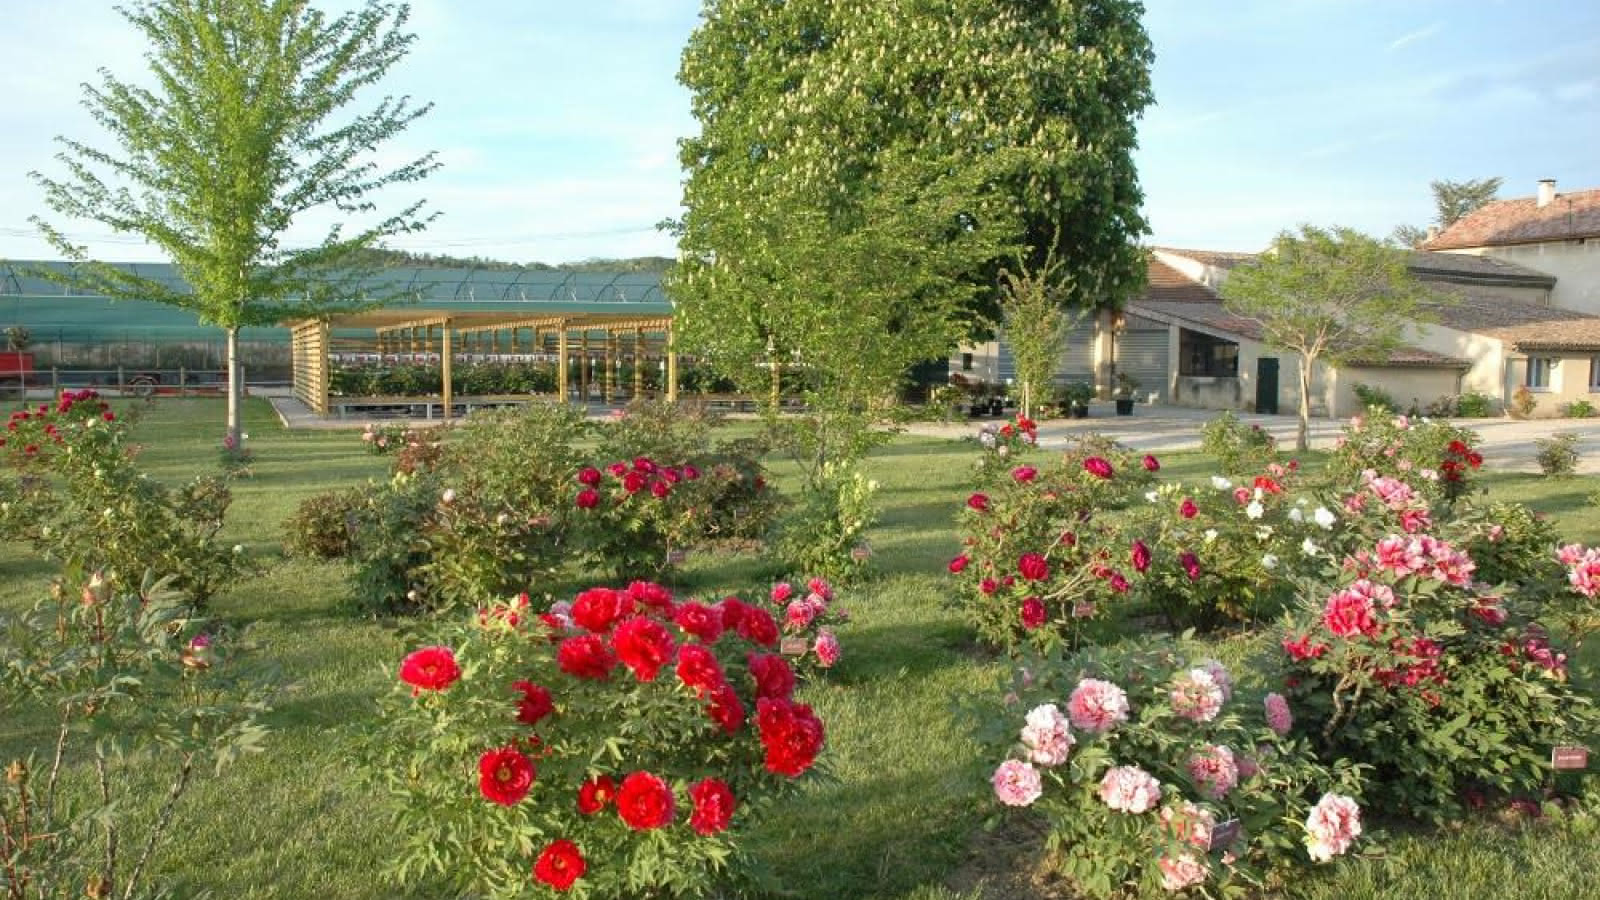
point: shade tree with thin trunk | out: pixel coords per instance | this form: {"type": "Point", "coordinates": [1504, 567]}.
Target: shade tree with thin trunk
{"type": "Point", "coordinates": [243, 131]}
{"type": "Point", "coordinates": [1330, 295]}
{"type": "Point", "coordinates": [1036, 323]}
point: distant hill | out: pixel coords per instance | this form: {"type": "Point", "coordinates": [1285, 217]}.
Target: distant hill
{"type": "Point", "coordinates": [405, 259]}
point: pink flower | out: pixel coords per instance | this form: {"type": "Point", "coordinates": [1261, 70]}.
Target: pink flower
{"type": "Point", "coordinates": [1190, 564]}
{"type": "Point", "coordinates": [979, 502]}
{"type": "Point", "coordinates": [988, 586]}
{"type": "Point", "coordinates": [1279, 719]}
{"type": "Point", "coordinates": [1047, 736]}
{"type": "Point", "coordinates": [959, 564]}
{"type": "Point", "coordinates": [798, 615]}
{"type": "Point", "coordinates": [1097, 706]}
{"type": "Point", "coordinates": [1130, 789]}
{"type": "Point", "coordinates": [781, 592]}
{"type": "Point", "coordinates": [1196, 696]}
{"type": "Point", "coordinates": [1348, 613]}
{"type": "Point", "coordinates": [1333, 825]}
{"type": "Point", "coordinates": [1213, 771]}
{"type": "Point", "coordinates": [826, 648]}
{"type": "Point", "coordinates": [1140, 556]}
{"type": "Point", "coordinates": [1219, 674]}
{"type": "Point", "coordinates": [1570, 554]}
{"type": "Point", "coordinates": [1024, 474]}
{"type": "Point", "coordinates": [1097, 467]}
{"type": "Point", "coordinates": [1184, 871]}
{"type": "Point", "coordinates": [1189, 824]}
{"type": "Point", "coordinates": [1017, 783]}
{"type": "Point", "coordinates": [1188, 509]}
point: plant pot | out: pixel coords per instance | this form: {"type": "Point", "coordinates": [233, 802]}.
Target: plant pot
{"type": "Point", "coordinates": [1124, 406]}
{"type": "Point", "coordinates": [974, 411]}
{"type": "Point", "coordinates": [1080, 412]}
{"type": "Point", "coordinates": [997, 407]}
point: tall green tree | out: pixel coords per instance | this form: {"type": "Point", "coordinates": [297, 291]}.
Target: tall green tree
{"type": "Point", "coordinates": [1452, 200]}
{"type": "Point", "coordinates": [1330, 295]}
{"type": "Point", "coordinates": [873, 164]}
{"type": "Point", "coordinates": [1035, 323]}
{"type": "Point", "coordinates": [242, 132]}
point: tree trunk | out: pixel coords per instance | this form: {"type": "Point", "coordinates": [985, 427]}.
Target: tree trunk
{"type": "Point", "coordinates": [1302, 439]}
{"type": "Point", "coordinates": [235, 389]}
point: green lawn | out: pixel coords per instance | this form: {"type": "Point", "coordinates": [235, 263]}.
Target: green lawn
{"type": "Point", "coordinates": [898, 820]}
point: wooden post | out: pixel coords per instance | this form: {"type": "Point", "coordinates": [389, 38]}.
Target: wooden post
{"type": "Point", "coordinates": [583, 367]}
{"type": "Point", "coordinates": [638, 363]}
{"type": "Point", "coordinates": [445, 354]}
{"type": "Point", "coordinates": [561, 365]}
{"type": "Point", "coordinates": [514, 331]}
{"type": "Point", "coordinates": [672, 368]}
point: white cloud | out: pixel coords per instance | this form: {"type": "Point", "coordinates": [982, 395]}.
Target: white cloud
{"type": "Point", "coordinates": [1420, 34]}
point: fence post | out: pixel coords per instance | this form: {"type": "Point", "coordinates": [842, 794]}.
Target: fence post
{"type": "Point", "coordinates": [122, 383]}
{"type": "Point", "coordinates": [55, 384]}
{"type": "Point", "coordinates": [183, 381]}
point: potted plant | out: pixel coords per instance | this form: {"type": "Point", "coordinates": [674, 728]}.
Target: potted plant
{"type": "Point", "coordinates": [977, 398]}
{"type": "Point", "coordinates": [1126, 385]}
{"type": "Point", "coordinates": [1077, 396]}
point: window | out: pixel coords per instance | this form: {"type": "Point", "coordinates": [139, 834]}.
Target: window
{"type": "Point", "coordinates": [1539, 368]}
{"type": "Point", "coordinates": [1594, 374]}
{"type": "Point", "coordinates": [1207, 356]}
{"type": "Point", "coordinates": [966, 362]}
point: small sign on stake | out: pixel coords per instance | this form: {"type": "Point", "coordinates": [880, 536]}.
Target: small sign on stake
{"type": "Point", "coordinates": [794, 646]}
{"type": "Point", "coordinates": [1083, 610]}
{"type": "Point", "coordinates": [861, 552]}
{"type": "Point", "coordinates": [1223, 834]}
{"type": "Point", "coordinates": [676, 557]}
{"type": "Point", "coordinates": [1569, 757]}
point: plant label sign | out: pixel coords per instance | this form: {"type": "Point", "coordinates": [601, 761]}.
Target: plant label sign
{"type": "Point", "coordinates": [1083, 610]}
{"type": "Point", "coordinates": [676, 557]}
{"type": "Point", "coordinates": [1223, 834]}
{"type": "Point", "coordinates": [793, 646]}
{"type": "Point", "coordinates": [860, 552]}
{"type": "Point", "coordinates": [1568, 757]}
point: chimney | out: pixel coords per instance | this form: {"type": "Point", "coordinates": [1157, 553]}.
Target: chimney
{"type": "Point", "coordinates": [1433, 232]}
{"type": "Point", "coordinates": [1547, 192]}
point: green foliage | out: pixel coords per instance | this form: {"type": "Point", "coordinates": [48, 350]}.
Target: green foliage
{"type": "Point", "coordinates": [1435, 458]}
{"type": "Point", "coordinates": [1237, 449]}
{"type": "Point", "coordinates": [1474, 405]}
{"type": "Point", "coordinates": [825, 532]}
{"type": "Point", "coordinates": [18, 338]}
{"type": "Point", "coordinates": [321, 525]}
{"type": "Point", "coordinates": [630, 719]}
{"type": "Point", "coordinates": [1457, 199]}
{"type": "Point", "coordinates": [1578, 409]}
{"type": "Point", "coordinates": [1523, 403]}
{"type": "Point", "coordinates": [1557, 455]}
{"type": "Point", "coordinates": [1036, 325]}
{"type": "Point", "coordinates": [480, 379]}
{"type": "Point", "coordinates": [1372, 397]}
{"type": "Point", "coordinates": [128, 679]}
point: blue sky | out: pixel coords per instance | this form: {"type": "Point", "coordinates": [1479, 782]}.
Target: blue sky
{"type": "Point", "coordinates": [557, 121]}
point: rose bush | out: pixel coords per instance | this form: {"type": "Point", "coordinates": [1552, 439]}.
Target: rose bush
{"type": "Point", "coordinates": [1149, 772]}
{"type": "Point", "coordinates": [615, 745]}
{"type": "Point", "coordinates": [808, 614]}
{"type": "Point", "coordinates": [1004, 447]}
{"type": "Point", "coordinates": [1438, 459]}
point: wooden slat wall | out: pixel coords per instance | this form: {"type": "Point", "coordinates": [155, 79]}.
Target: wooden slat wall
{"type": "Point", "coordinates": [308, 343]}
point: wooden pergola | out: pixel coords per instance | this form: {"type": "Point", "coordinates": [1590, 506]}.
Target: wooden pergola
{"type": "Point", "coordinates": [423, 333]}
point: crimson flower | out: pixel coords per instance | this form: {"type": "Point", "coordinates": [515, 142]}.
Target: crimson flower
{"type": "Point", "coordinates": [979, 502]}
{"type": "Point", "coordinates": [713, 806]}
{"type": "Point", "coordinates": [535, 703]}
{"type": "Point", "coordinates": [1151, 464]}
{"type": "Point", "coordinates": [1024, 474]}
{"type": "Point", "coordinates": [772, 675]}
{"type": "Point", "coordinates": [560, 865]}
{"type": "Point", "coordinates": [645, 802]}
{"type": "Point", "coordinates": [733, 610]}
{"type": "Point", "coordinates": [758, 627]}
{"type": "Point", "coordinates": [791, 734]}
{"type": "Point", "coordinates": [588, 498]}
{"type": "Point", "coordinates": [698, 668]}
{"type": "Point", "coordinates": [1097, 467]}
{"type": "Point", "coordinates": [585, 656]}
{"type": "Point", "coordinates": [632, 482]}
{"type": "Point", "coordinates": [959, 564]}
{"type": "Point", "coordinates": [988, 586]}
{"type": "Point", "coordinates": [660, 489]}
{"type": "Point", "coordinates": [1190, 564]}
{"type": "Point", "coordinates": [1033, 567]}
{"type": "Point", "coordinates": [651, 594]}
{"type": "Point", "coordinates": [430, 669]}
{"type": "Point", "coordinates": [725, 708]}
{"type": "Point", "coordinates": [618, 469]}
{"type": "Point", "coordinates": [589, 476]}
{"type": "Point", "coordinates": [1302, 648]}
{"type": "Point", "coordinates": [597, 609]}
{"type": "Point", "coordinates": [1033, 613]}
{"type": "Point", "coordinates": [596, 794]}
{"type": "Point", "coordinates": [643, 645]}
{"type": "Point", "coordinates": [1188, 509]}
{"type": "Point", "coordinates": [505, 775]}
{"type": "Point", "coordinates": [699, 620]}
{"type": "Point", "coordinates": [1141, 556]}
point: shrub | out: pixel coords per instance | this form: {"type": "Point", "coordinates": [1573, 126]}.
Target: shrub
{"type": "Point", "coordinates": [1004, 447]}
{"type": "Point", "coordinates": [1523, 403]}
{"type": "Point", "coordinates": [1444, 686]}
{"type": "Point", "coordinates": [384, 439]}
{"type": "Point", "coordinates": [388, 544]}
{"type": "Point", "coordinates": [1437, 458]}
{"type": "Point", "coordinates": [825, 531]}
{"type": "Point", "coordinates": [1578, 409]}
{"type": "Point", "coordinates": [634, 516]}
{"type": "Point", "coordinates": [808, 623]}
{"type": "Point", "coordinates": [1147, 773]}
{"type": "Point", "coordinates": [321, 525]}
{"type": "Point", "coordinates": [1474, 405]}
{"type": "Point", "coordinates": [1237, 448]}
{"type": "Point", "coordinates": [619, 745]}
{"type": "Point", "coordinates": [1558, 454]}
{"type": "Point", "coordinates": [1373, 397]}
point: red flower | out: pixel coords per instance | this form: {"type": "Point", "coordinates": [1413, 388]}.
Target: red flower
{"type": "Point", "coordinates": [698, 668]}
{"type": "Point", "coordinates": [618, 469]}
{"type": "Point", "coordinates": [781, 592]}
{"type": "Point", "coordinates": [772, 675]}
{"type": "Point", "coordinates": [733, 610]}
{"type": "Point", "coordinates": [979, 502]}
{"type": "Point", "coordinates": [1151, 464]}
{"type": "Point", "coordinates": [589, 476]}
{"type": "Point", "coordinates": [660, 489]}
{"type": "Point", "coordinates": [1033, 613]}
{"type": "Point", "coordinates": [1348, 614]}
{"type": "Point", "coordinates": [588, 498]}
{"type": "Point", "coordinates": [791, 734]}
{"type": "Point", "coordinates": [430, 669]}
{"type": "Point", "coordinates": [585, 656]}
{"type": "Point", "coordinates": [713, 806]}
{"type": "Point", "coordinates": [988, 586]}
{"type": "Point", "coordinates": [645, 802]}
{"type": "Point", "coordinates": [597, 609]}
{"type": "Point", "coordinates": [699, 620]}
{"type": "Point", "coordinates": [1067, 539]}
{"type": "Point", "coordinates": [1024, 474]}
{"type": "Point", "coordinates": [632, 482]}
{"type": "Point", "coordinates": [1190, 564]}
{"type": "Point", "coordinates": [1140, 556]}
{"type": "Point", "coordinates": [725, 708]}
{"type": "Point", "coordinates": [560, 865]}
{"type": "Point", "coordinates": [1097, 467]}
{"type": "Point", "coordinates": [109, 416]}
{"type": "Point", "coordinates": [596, 794]}
{"type": "Point", "coordinates": [1033, 567]}
{"type": "Point", "coordinates": [1302, 648]}
{"type": "Point", "coordinates": [1459, 448]}
{"type": "Point", "coordinates": [1268, 485]}
{"type": "Point", "coordinates": [505, 775]}
{"type": "Point", "coordinates": [535, 703]}
{"type": "Point", "coordinates": [644, 464]}
{"type": "Point", "coordinates": [643, 645]}
{"type": "Point", "coordinates": [758, 626]}
{"type": "Point", "coordinates": [690, 473]}
{"type": "Point", "coordinates": [959, 564]}
{"type": "Point", "coordinates": [651, 594]}
{"type": "Point", "coordinates": [1119, 583]}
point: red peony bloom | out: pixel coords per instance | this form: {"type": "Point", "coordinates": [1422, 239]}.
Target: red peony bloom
{"type": "Point", "coordinates": [505, 775]}
{"type": "Point", "coordinates": [713, 806]}
{"type": "Point", "coordinates": [1188, 509]}
{"type": "Point", "coordinates": [585, 656]}
{"type": "Point", "coordinates": [1033, 613]}
{"type": "Point", "coordinates": [988, 586]}
{"type": "Point", "coordinates": [690, 473]}
{"type": "Point", "coordinates": [645, 802]}
{"type": "Point", "coordinates": [618, 469]}
{"type": "Point", "coordinates": [732, 610]}
{"type": "Point", "coordinates": [699, 669]}
{"type": "Point", "coordinates": [791, 734]}
{"type": "Point", "coordinates": [660, 489]}
{"type": "Point", "coordinates": [430, 669]}
{"type": "Point", "coordinates": [633, 481]}
{"type": "Point", "coordinates": [959, 564]}
{"type": "Point", "coordinates": [699, 620]}
{"type": "Point", "coordinates": [772, 675]}
{"type": "Point", "coordinates": [1097, 467]}
{"type": "Point", "coordinates": [1151, 464]}
{"type": "Point", "coordinates": [1119, 583]}
{"type": "Point", "coordinates": [1024, 474]}
{"type": "Point", "coordinates": [758, 627]}
{"type": "Point", "coordinates": [596, 794]}
{"type": "Point", "coordinates": [644, 646]}
{"type": "Point", "coordinates": [560, 865]}
{"type": "Point", "coordinates": [644, 464]}
{"type": "Point", "coordinates": [979, 502]}
{"type": "Point", "coordinates": [1302, 648]}
{"type": "Point", "coordinates": [588, 498]}
{"type": "Point", "coordinates": [725, 708]}
{"type": "Point", "coordinates": [597, 609]}
{"type": "Point", "coordinates": [1033, 567]}
{"type": "Point", "coordinates": [535, 703]}
{"type": "Point", "coordinates": [1140, 556]}
{"type": "Point", "coordinates": [589, 476]}
{"type": "Point", "coordinates": [1190, 564]}
{"type": "Point", "coordinates": [651, 594]}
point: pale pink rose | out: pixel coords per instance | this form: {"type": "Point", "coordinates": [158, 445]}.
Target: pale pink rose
{"type": "Point", "coordinates": [826, 648]}
{"type": "Point", "coordinates": [1279, 719]}
{"type": "Point", "coordinates": [1214, 771]}
{"type": "Point", "coordinates": [1186, 871]}
{"type": "Point", "coordinates": [1017, 783]}
{"type": "Point", "coordinates": [1332, 826]}
{"type": "Point", "coordinates": [1196, 695]}
{"type": "Point", "coordinates": [798, 615]}
{"type": "Point", "coordinates": [1570, 554]}
{"type": "Point", "coordinates": [1189, 824]}
{"type": "Point", "coordinates": [1047, 735]}
{"type": "Point", "coordinates": [1097, 706]}
{"type": "Point", "coordinates": [1130, 789]}
{"type": "Point", "coordinates": [1219, 674]}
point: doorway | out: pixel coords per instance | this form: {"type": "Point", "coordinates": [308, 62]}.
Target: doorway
{"type": "Point", "coordinates": [1267, 385]}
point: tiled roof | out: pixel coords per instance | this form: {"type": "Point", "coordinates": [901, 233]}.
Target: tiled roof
{"type": "Point", "coordinates": [1526, 326]}
{"type": "Point", "coordinates": [1424, 263]}
{"type": "Point", "coordinates": [1574, 214]}
{"type": "Point", "coordinates": [1168, 284]}
{"type": "Point", "coordinates": [1416, 357]}
{"type": "Point", "coordinates": [1222, 259]}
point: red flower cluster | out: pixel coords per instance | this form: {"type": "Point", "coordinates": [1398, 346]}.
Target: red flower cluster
{"type": "Point", "coordinates": [642, 474]}
{"type": "Point", "coordinates": [1458, 458]}
{"type": "Point", "coordinates": [1302, 648]}
{"type": "Point", "coordinates": [791, 734]}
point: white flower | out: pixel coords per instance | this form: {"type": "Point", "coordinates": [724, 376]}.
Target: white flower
{"type": "Point", "coordinates": [1003, 451]}
{"type": "Point", "coordinates": [1324, 517]}
{"type": "Point", "coordinates": [1269, 561]}
{"type": "Point", "coordinates": [449, 495]}
{"type": "Point", "coordinates": [1428, 475]}
{"type": "Point", "coordinates": [1220, 483]}
{"type": "Point", "coordinates": [1263, 532]}
{"type": "Point", "coordinates": [1152, 496]}
{"type": "Point", "coordinates": [1295, 515]}
{"type": "Point", "coordinates": [1211, 535]}
{"type": "Point", "coordinates": [986, 439]}
{"type": "Point", "coordinates": [1259, 494]}
{"type": "Point", "coordinates": [238, 548]}
{"type": "Point", "coordinates": [1255, 510]}
{"type": "Point", "coordinates": [1310, 548]}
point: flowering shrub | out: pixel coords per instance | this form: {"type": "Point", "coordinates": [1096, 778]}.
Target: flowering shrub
{"type": "Point", "coordinates": [1238, 448]}
{"type": "Point", "coordinates": [320, 526]}
{"type": "Point", "coordinates": [1004, 448]}
{"type": "Point", "coordinates": [1443, 684]}
{"type": "Point", "coordinates": [826, 530]}
{"type": "Point", "coordinates": [808, 615]}
{"type": "Point", "coordinates": [382, 440]}
{"type": "Point", "coordinates": [1437, 459]}
{"type": "Point", "coordinates": [633, 515]}
{"type": "Point", "coordinates": [614, 746]}
{"type": "Point", "coordinates": [1039, 563]}
{"type": "Point", "coordinates": [1138, 759]}
{"type": "Point", "coordinates": [78, 497]}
